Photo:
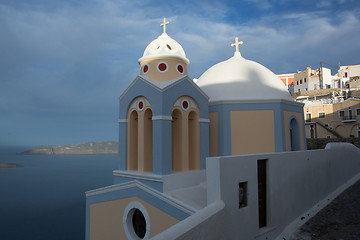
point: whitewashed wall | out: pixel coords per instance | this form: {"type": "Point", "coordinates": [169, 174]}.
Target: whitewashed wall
{"type": "Point", "coordinates": [299, 184]}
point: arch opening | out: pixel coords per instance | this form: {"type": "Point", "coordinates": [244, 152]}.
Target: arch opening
{"type": "Point", "coordinates": [133, 141]}
{"type": "Point", "coordinates": [148, 141]}
{"type": "Point", "coordinates": [176, 140]}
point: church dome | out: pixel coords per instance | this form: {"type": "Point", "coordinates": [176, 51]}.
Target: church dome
{"type": "Point", "coordinates": [164, 47]}
{"type": "Point", "coordinates": [238, 79]}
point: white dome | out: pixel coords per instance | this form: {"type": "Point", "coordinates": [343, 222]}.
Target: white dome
{"type": "Point", "coordinates": [238, 79]}
{"type": "Point", "coordinates": [164, 46]}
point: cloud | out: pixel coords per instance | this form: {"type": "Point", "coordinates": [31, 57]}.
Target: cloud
{"type": "Point", "coordinates": [75, 59]}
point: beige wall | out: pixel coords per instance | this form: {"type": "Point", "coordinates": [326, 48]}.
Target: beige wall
{"type": "Point", "coordinates": [213, 116]}
{"type": "Point", "coordinates": [299, 116]}
{"type": "Point", "coordinates": [252, 132]}
{"type": "Point", "coordinates": [168, 75]}
{"type": "Point", "coordinates": [320, 132]}
{"type": "Point", "coordinates": [106, 219]}
{"type": "Point", "coordinates": [332, 118]}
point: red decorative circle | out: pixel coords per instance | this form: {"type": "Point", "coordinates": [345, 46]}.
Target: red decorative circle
{"type": "Point", "coordinates": [141, 105]}
{"type": "Point", "coordinates": [162, 67]}
{"type": "Point", "coordinates": [185, 104]}
{"type": "Point", "coordinates": [145, 68]}
{"type": "Point", "coordinates": [180, 68]}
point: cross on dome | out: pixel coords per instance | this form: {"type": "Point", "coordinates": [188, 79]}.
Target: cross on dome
{"type": "Point", "coordinates": [164, 24]}
{"type": "Point", "coordinates": [236, 44]}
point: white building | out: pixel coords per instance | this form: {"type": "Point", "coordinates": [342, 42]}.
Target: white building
{"type": "Point", "coordinates": [310, 79]}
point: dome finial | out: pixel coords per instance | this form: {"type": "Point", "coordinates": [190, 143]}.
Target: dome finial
{"type": "Point", "coordinates": [236, 44]}
{"type": "Point", "coordinates": [164, 24]}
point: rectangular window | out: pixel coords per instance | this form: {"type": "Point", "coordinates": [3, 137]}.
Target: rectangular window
{"type": "Point", "coordinates": [328, 136]}
{"type": "Point", "coordinates": [321, 114]}
{"type": "Point", "coordinates": [358, 112]}
{"type": "Point", "coordinates": [308, 117]}
{"type": "Point", "coordinates": [304, 80]}
{"type": "Point", "coordinates": [297, 82]}
{"type": "Point", "coordinates": [341, 113]}
{"type": "Point", "coordinates": [326, 125]}
{"type": "Point", "coordinates": [242, 194]}
{"type": "Point", "coordinates": [300, 81]}
{"type": "Point", "coordinates": [350, 114]}
{"type": "Point", "coordinates": [312, 131]}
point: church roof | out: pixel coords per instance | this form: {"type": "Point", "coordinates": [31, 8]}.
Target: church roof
{"type": "Point", "coordinates": [238, 79]}
{"type": "Point", "coordinates": [164, 47]}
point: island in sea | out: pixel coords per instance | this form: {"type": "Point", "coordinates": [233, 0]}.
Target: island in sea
{"type": "Point", "coordinates": [109, 147]}
{"type": "Point", "coordinates": [9, 165]}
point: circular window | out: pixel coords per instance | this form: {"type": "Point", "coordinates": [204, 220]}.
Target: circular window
{"type": "Point", "coordinates": [136, 222]}
{"type": "Point", "coordinates": [162, 67]}
{"type": "Point", "coordinates": [140, 105]}
{"type": "Point", "coordinates": [180, 68]}
{"type": "Point", "coordinates": [185, 104]}
{"type": "Point", "coordinates": [145, 68]}
{"type": "Point", "coordinates": [139, 223]}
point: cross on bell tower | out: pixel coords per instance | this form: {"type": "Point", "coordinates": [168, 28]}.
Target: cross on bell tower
{"type": "Point", "coordinates": [236, 44]}
{"type": "Point", "coordinates": [164, 24]}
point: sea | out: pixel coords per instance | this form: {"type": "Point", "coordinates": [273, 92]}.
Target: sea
{"type": "Point", "coordinates": [45, 199]}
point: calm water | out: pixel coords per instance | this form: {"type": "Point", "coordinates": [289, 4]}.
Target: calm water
{"type": "Point", "coordinates": [45, 199]}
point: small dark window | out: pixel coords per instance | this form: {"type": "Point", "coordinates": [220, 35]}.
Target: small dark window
{"type": "Point", "coordinates": [139, 223]}
{"type": "Point", "coordinates": [242, 194]}
{"type": "Point", "coordinates": [341, 113]}
{"type": "Point", "coordinates": [321, 114]}
{"type": "Point", "coordinates": [358, 111]}
{"type": "Point", "coordinates": [304, 80]}
{"type": "Point", "coordinates": [300, 81]}
{"type": "Point", "coordinates": [168, 46]}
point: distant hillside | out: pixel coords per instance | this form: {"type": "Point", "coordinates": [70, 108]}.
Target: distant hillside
{"type": "Point", "coordinates": [110, 147]}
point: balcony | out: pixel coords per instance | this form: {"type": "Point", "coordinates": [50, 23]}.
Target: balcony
{"type": "Point", "coordinates": [351, 118]}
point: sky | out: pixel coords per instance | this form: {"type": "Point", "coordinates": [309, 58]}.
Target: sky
{"type": "Point", "coordinates": [63, 64]}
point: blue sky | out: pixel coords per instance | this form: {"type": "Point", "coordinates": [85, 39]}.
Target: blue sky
{"type": "Point", "coordinates": [63, 64]}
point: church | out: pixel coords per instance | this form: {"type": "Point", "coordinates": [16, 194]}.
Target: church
{"type": "Point", "coordinates": [191, 150]}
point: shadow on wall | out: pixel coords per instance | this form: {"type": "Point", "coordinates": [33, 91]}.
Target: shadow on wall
{"type": "Point", "coordinates": [342, 123]}
{"type": "Point", "coordinates": [320, 143]}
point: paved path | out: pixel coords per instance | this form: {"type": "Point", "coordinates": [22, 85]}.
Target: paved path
{"type": "Point", "coordinates": [339, 220]}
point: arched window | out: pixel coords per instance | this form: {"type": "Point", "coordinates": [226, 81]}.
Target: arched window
{"type": "Point", "coordinates": [294, 135]}
{"type": "Point", "coordinates": [133, 140]}
{"type": "Point", "coordinates": [176, 140]}
{"type": "Point", "coordinates": [140, 134]}
{"type": "Point", "coordinates": [185, 135]}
